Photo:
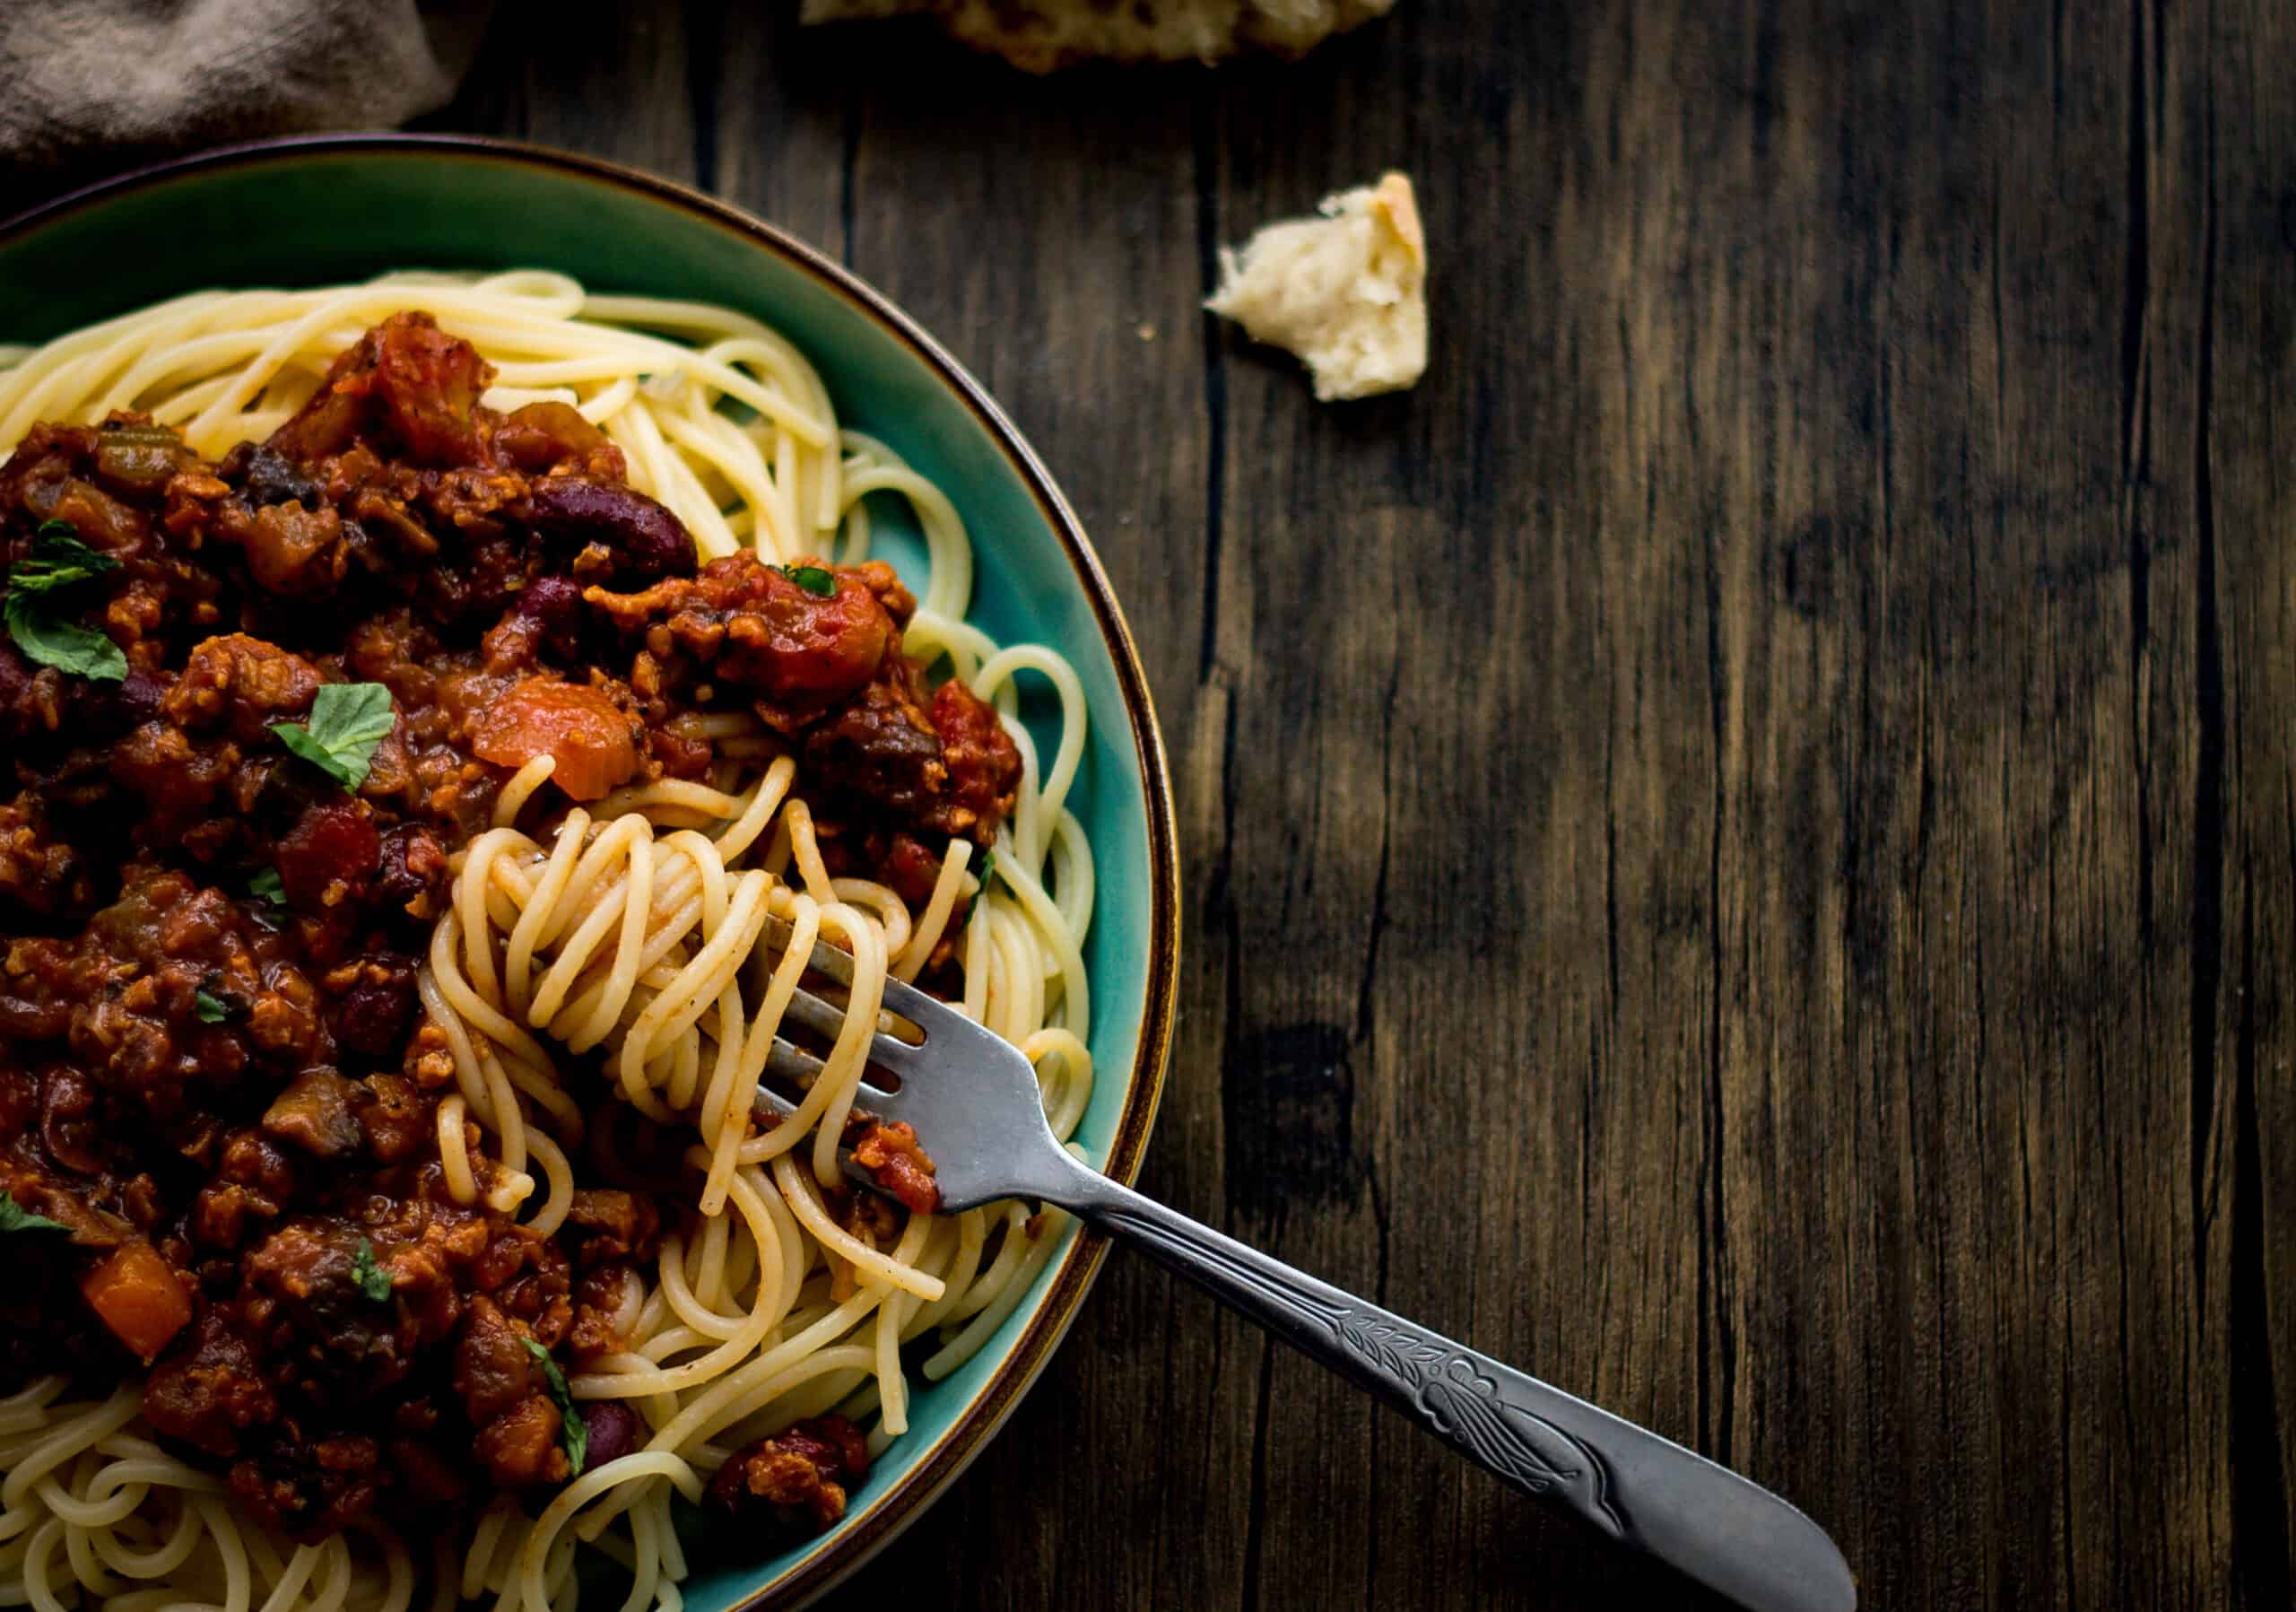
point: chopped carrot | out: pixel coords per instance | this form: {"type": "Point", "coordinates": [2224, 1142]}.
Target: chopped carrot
{"type": "Point", "coordinates": [578, 725]}
{"type": "Point", "coordinates": [138, 1297]}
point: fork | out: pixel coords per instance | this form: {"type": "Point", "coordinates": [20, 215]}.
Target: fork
{"type": "Point", "coordinates": [974, 1102]}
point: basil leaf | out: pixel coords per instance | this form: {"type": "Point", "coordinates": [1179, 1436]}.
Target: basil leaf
{"type": "Point", "coordinates": [67, 646]}
{"type": "Point", "coordinates": [14, 1217]}
{"type": "Point", "coordinates": [573, 1432]}
{"type": "Point", "coordinates": [266, 886]}
{"type": "Point", "coordinates": [58, 560]}
{"type": "Point", "coordinates": [348, 720]}
{"type": "Point", "coordinates": [367, 1276]}
{"type": "Point", "coordinates": [211, 1008]}
{"type": "Point", "coordinates": [822, 584]}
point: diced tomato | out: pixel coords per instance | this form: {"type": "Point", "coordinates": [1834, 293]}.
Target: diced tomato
{"type": "Point", "coordinates": [136, 1294]}
{"type": "Point", "coordinates": [542, 434]}
{"type": "Point", "coordinates": [984, 764]}
{"type": "Point", "coordinates": [406, 371]}
{"type": "Point", "coordinates": [429, 383]}
{"type": "Point", "coordinates": [760, 628]}
{"type": "Point", "coordinates": [911, 868]}
{"type": "Point", "coordinates": [889, 1153]}
{"type": "Point", "coordinates": [328, 855]}
{"type": "Point", "coordinates": [815, 646]}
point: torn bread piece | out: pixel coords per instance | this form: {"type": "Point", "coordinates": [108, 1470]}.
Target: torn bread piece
{"type": "Point", "coordinates": [1346, 291]}
{"type": "Point", "coordinates": [1041, 35]}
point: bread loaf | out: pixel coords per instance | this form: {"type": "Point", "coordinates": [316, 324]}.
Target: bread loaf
{"type": "Point", "coordinates": [1040, 35]}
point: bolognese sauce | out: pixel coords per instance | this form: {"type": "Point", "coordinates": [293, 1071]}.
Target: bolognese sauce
{"type": "Point", "coordinates": [311, 667]}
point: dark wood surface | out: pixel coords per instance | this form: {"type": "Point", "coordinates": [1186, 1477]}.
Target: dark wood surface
{"type": "Point", "coordinates": [1738, 841]}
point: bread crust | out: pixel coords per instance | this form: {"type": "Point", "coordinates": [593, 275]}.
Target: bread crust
{"type": "Point", "coordinates": [1393, 198]}
{"type": "Point", "coordinates": [1043, 36]}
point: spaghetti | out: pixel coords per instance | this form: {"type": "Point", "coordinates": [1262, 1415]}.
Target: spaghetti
{"type": "Point", "coordinates": [597, 963]}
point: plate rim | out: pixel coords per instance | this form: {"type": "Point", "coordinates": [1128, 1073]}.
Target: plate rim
{"type": "Point", "coordinates": [1047, 1324]}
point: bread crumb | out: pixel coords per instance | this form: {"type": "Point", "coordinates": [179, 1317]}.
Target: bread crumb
{"type": "Point", "coordinates": [1146, 330]}
{"type": "Point", "coordinates": [1347, 291]}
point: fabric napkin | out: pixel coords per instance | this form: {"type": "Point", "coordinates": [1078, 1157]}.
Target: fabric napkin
{"type": "Point", "coordinates": [90, 86]}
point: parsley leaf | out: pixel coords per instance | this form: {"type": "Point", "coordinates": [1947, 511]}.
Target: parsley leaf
{"type": "Point", "coordinates": [266, 886]}
{"type": "Point", "coordinates": [14, 1217]}
{"type": "Point", "coordinates": [60, 560]}
{"type": "Point", "coordinates": [815, 580]}
{"type": "Point", "coordinates": [348, 720]}
{"type": "Point", "coordinates": [367, 1276]}
{"type": "Point", "coordinates": [211, 1008]}
{"type": "Point", "coordinates": [574, 1433]}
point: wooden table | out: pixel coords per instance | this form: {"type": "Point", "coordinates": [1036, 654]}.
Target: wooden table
{"type": "Point", "coordinates": [1739, 841]}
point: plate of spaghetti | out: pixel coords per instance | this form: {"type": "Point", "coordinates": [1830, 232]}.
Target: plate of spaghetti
{"type": "Point", "coordinates": [460, 603]}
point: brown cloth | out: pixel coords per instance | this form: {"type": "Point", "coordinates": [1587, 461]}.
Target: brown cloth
{"type": "Point", "coordinates": [91, 86]}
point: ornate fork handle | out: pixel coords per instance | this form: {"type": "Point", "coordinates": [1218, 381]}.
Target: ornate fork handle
{"type": "Point", "coordinates": [1641, 1489]}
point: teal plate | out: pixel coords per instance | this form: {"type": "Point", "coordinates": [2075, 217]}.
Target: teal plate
{"type": "Point", "coordinates": [310, 212]}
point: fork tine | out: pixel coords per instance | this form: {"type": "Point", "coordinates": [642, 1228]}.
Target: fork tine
{"type": "Point", "coordinates": [900, 999]}
{"type": "Point", "coordinates": [801, 1069]}
{"type": "Point", "coordinates": [822, 1019]}
{"type": "Point", "coordinates": [792, 1063]}
{"type": "Point", "coordinates": [769, 1100]}
{"type": "Point", "coordinates": [838, 966]}
{"type": "Point", "coordinates": [826, 1018]}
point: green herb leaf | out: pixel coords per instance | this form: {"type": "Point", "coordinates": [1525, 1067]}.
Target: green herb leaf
{"type": "Point", "coordinates": [348, 721]}
{"type": "Point", "coordinates": [987, 861]}
{"type": "Point", "coordinates": [815, 581]}
{"type": "Point", "coordinates": [574, 1433]}
{"type": "Point", "coordinates": [67, 646]}
{"type": "Point", "coordinates": [264, 886]}
{"type": "Point", "coordinates": [211, 1008]}
{"type": "Point", "coordinates": [14, 1217]}
{"type": "Point", "coordinates": [60, 560]}
{"type": "Point", "coordinates": [370, 1278]}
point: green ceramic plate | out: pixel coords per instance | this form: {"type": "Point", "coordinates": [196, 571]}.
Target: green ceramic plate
{"type": "Point", "coordinates": [314, 211]}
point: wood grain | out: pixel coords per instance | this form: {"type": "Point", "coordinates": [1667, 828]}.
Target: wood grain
{"type": "Point", "coordinates": [1739, 840]}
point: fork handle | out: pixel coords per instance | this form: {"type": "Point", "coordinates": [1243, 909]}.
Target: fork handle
{"type": "Point", "coordinates": [1643, 1491]}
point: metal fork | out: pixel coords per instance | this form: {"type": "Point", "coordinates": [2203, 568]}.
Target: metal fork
{"type": "Point", "coordinates": [974, 1102]}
